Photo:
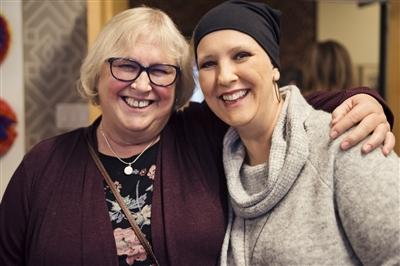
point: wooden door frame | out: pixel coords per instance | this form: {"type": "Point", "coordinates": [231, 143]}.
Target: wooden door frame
{"type": "Point", "coordinates": [393, 66]}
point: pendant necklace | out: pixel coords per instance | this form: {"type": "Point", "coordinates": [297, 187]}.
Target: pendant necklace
{"type": "Point", "coordinates": [128, 170]}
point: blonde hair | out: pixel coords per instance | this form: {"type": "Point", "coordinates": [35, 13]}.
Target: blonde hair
{"type": "Point", "coordinates": [327, 66]}
{"type": "Point", "coordinates": [124, 30]}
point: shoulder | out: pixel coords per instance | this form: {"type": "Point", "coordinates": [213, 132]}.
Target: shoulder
{"type": "Point", "coordinates": [351, 166]}
{"type": "Point", "coordinates": [50, 147]}
{"type": "Point", "coordinates": [355, 163]}
{"type": "Point", "coordinates": [57, 141]}
{"type": "Point", "coordinates": [317, 126]}
{"type": "Point", "coordinates": [49, 153]}
{"type": "Point", "coordinates": [347, 170]}
{"type": "Point", "coordinates": [322, 149]}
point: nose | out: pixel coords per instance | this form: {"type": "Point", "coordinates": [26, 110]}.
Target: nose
{"type": "Point", "coordinates": [142, 83]}
{"type": "Point", "coordinates": [226, 74]}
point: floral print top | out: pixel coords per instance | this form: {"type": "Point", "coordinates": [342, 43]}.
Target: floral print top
{"type": "Point", "coordinates": [137, 191]}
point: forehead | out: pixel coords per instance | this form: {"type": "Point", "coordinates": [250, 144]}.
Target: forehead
{"type": "Point", "coordinates": [225, 39]}
{"type": "Point", "coordinates": [148, 51]}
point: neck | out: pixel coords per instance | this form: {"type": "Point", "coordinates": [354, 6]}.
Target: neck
{"type": "Point", "coordinates": [257, 151]}
{"type": "Point", "coordinates": [257, 138]}
{"type": "Point", "coordinates": [124, 147]}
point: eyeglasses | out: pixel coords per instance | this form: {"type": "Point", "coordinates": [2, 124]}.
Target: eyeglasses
{"type": "Point", "coordinates": [128, 70]}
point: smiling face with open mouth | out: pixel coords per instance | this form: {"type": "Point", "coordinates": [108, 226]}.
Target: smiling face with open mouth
{"type": "Point", "coordinates": [140, 106]}
{"type": "Point", "coordinates": [236, 77]}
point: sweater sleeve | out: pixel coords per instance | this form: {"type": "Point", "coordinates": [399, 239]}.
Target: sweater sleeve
{"type": "Point", "coordinates": [368, 204]}
{"type": "Point", "coordinates": [328, 101]}
{"type": "Point", "coordinates": [14, 212]}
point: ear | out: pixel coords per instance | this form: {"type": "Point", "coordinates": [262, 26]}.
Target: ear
{"type": "Point", "coordinates": [276, 75]}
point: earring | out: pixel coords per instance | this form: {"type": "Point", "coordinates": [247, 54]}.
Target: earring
{"type": "Point", "coordinates": [176, 107]}
{"type": "Point", "coordinates": [278, 95]}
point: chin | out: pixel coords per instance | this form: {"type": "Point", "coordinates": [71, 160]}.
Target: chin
{"type": "Point", "coordinates": [136, 124]}
{"type": "Point", "coordinates": [235, 121]}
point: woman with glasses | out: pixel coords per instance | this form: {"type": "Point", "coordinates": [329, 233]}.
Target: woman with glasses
{"type": "Point", "coordinates": [61, 206]}
{"type": "Point", "coordinates": [296, 198]}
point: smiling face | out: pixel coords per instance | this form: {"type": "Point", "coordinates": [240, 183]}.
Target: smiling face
{"type": "Point", "coordinates": [137, 108]}
{"type": "Point", "coordinates": [236, 77]}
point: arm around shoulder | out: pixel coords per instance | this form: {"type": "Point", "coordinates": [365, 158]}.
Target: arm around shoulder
{"type": "Point", "coordinates": [329, 100]}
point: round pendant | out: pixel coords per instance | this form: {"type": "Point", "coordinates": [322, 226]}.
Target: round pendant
{"type": "Point", "coordinates": [128, 170]}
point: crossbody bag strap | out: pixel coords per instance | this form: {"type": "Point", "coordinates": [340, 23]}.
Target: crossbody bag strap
{"type": "Point", "coordinates": [128, 215]}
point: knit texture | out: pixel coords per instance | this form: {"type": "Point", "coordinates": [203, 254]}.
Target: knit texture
{"type": "Point", "coordinates": [314, 204]}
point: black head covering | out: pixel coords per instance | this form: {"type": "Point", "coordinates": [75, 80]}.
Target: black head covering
{"type": "Point", "coordinates": [257, 20]}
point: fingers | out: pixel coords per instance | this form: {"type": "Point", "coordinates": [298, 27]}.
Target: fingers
{"type": "Point", "coordinates": [358, 133]}
{"type": "Point", "coordinates": [367, 116]}
{"type": "Point", "coordinates": [381, 135]}
{"type": "Point", "coordinates": [389, 143]}
{"type": "Point", "coordinates": [377, 138]}
{"type": "Point", "coordinates": [345, 122]}
{"type": "Point", "coordinates": [369, 120]}
{"type": "Point", "coordinates": [353, 110]}
{"type": "Point", "coordinates": [367, 126]}
{"type": "Point", "coordinates": [341, 110]}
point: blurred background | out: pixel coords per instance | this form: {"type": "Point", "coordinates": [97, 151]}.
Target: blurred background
{"type": "Point", "coordinates": [42, 44]}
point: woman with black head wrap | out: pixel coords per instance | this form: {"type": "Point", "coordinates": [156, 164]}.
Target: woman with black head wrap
{"type": "Point", "coordinates": [296, 198]}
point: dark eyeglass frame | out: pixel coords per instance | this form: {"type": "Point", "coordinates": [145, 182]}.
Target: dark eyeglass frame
{"type": "Point", "coordinates": [141, 69]}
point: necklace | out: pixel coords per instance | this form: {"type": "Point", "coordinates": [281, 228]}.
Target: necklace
{"type": "Point", "coordinates": [128, 170]}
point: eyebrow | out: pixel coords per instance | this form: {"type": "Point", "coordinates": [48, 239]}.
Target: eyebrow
{"type": "Point", "coordinates": [151, 64]}
{"type": "Point", "coordinates": [207, 57]}
{"type": "Point", "coordinates": [239, 47]}
{"type": "Point", "coordinates": [230, 51]}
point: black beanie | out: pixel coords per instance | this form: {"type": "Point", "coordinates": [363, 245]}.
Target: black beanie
{"type": "Point", "coordinates": [257, 20]}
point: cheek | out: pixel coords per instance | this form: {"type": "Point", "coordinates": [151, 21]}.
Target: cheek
{"type": "Point", "coordinates": [206, 82]}
{"type": "Point", "coordinates": [167, 95]}
{"type": "Point", "coordinates": [109, 86]}
{"type": "Point", "coordinates": [115, 86]}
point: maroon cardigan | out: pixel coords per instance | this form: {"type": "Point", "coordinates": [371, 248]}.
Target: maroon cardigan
{"type": "Point", "coordinates": [54, 211]}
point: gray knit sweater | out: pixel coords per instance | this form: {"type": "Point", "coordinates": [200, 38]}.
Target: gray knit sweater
{"type": "Point", "coordinates": [311, 204]}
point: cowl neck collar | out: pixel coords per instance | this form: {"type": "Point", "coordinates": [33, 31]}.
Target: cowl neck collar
{"type": "Point", "coordinates": [288, 154]}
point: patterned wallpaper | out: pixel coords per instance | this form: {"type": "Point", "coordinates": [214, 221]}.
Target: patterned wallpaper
{"type": "Point", "coordinates": [54, 35]}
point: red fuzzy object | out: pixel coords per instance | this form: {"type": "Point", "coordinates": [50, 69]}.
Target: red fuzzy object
{"type": "Point", "coordinates": [4, 38]}
{"type": "Point", "coordinates": [9, 120]}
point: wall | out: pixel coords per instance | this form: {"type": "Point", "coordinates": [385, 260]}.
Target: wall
{"type": "Point", "coordinates": [54, 35]}
{"type": "Point", "coordinates": [357, 28]}
{"type": "Point", "coordinates": [12, 89]}
{"type": "Point", "coordinates": [40, 80]}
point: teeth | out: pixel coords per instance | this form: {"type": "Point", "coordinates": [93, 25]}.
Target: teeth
{"type": "Point", "coordinates": [135, 103]}
{"type": "Point", "coordinates": [233, 96]}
